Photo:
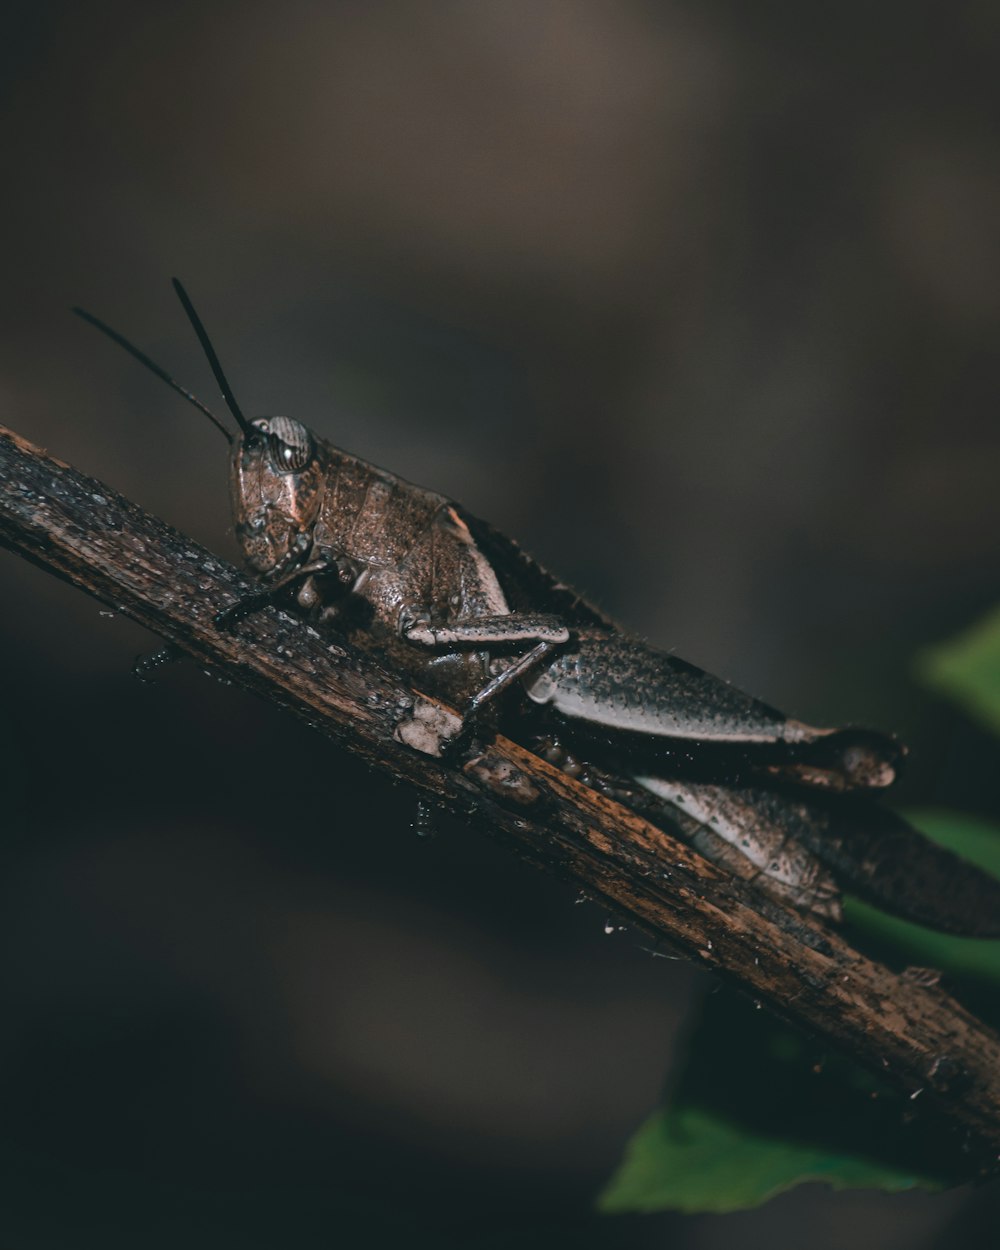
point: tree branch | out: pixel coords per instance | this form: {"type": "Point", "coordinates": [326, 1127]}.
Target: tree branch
{"type": "Point", "coordinates": [914, 1035]}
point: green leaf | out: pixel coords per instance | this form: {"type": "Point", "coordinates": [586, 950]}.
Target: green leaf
{"type": "Point", "coordinates": [759, 1108]}
{"type": "Point", "coordinates": [968, 669]}
{"type": "Point", "coordinates": [694, 1160]}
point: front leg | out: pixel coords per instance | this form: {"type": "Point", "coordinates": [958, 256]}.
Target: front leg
{"type": "Point", "coordinates": [325, 567]}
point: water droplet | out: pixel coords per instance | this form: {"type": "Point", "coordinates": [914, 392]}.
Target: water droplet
{"type": "Point", "coordinates": [218, 675]}
{"type": "Point", "coordinates": [423, 824]}
{"type": "Point", "coordinates": [106, 613]}
{"type": "Point", "coordinates": [758, 1005]}
{"type": "Point", "coordinates": [608, 927]}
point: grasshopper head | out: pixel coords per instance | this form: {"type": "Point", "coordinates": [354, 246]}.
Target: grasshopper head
{"type": "Point", "coordinates": [277, 479]}
{"type": "Point", "coordinates": [277, 485]}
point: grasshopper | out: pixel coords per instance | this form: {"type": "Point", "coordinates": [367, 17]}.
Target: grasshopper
{"type": "Point", "coordinates": [473, 621]}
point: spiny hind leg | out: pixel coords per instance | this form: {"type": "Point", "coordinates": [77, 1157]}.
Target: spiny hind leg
{"type": "Point", "coordinates": [543, 634]}
{"type": "Point", "coordinates": [752, 832]}
{"type": "Point", "coordinates": [443, 733]}
{"type": "Point", "coordinates": [741, 831]}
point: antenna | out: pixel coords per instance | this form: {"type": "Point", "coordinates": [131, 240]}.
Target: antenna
{"type": "Point", "coordinates": [213, 360]}
{"type": "Point", "coordinates": [151, 364]}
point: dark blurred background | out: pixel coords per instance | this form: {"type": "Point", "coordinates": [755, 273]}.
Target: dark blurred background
{"type": "Point", "coordinates": [700, 302]}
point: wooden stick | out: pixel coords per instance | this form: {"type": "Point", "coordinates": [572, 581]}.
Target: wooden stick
{"type": "Point", "coordinates": [913, 1035]}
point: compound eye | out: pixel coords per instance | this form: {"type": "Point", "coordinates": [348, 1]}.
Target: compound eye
{"type": "Point", "coordinates": [290, 444]}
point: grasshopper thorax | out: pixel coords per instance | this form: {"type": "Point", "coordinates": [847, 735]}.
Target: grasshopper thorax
{"type": "Point", "coordinates": [277, 488]}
